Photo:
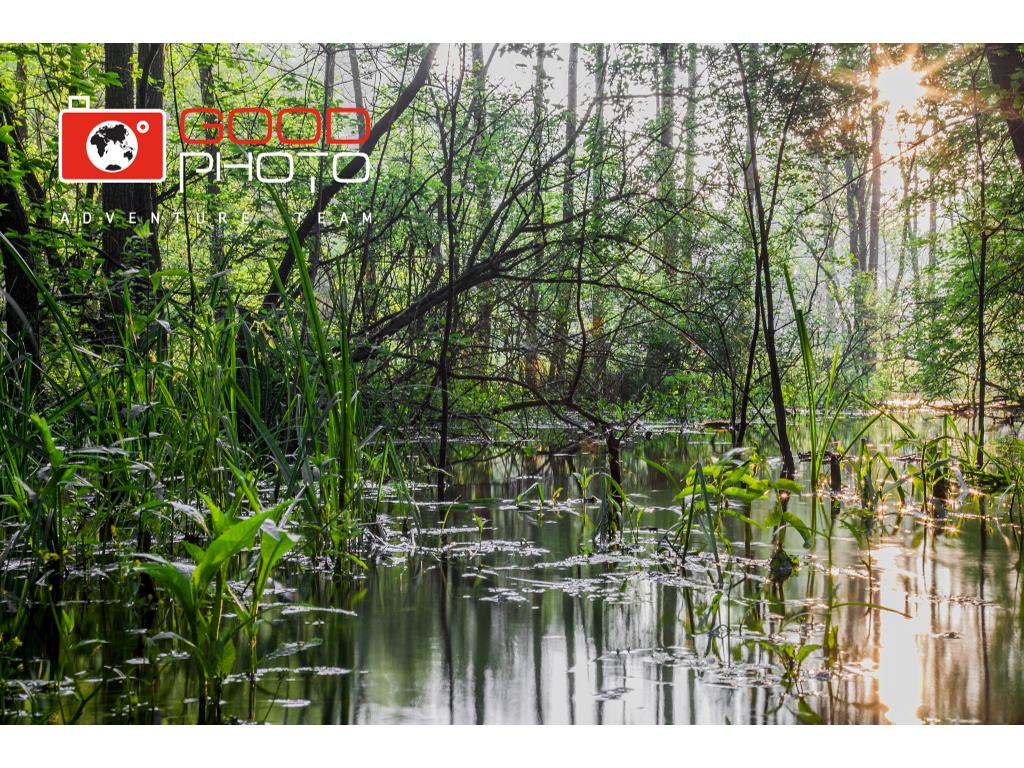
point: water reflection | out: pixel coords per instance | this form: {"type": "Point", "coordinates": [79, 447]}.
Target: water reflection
{"type": "Point", "coordinates": [518, 621]}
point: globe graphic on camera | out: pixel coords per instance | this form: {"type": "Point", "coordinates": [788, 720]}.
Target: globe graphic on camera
{"type": "Point", "coordinates": [112, 146]}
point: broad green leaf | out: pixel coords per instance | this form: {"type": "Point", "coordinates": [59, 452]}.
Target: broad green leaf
{"type": "Point", "coordinates": [785, 484]}
{"type": "Point", "coordinates": [226, 657]}
{"type": "Point", "coordinates": [742, 494]}
{"type": "Point", "coordinates": [806, 651]}
{"type": "Point", "coordinates": [237, 537]}
{"type": "Point", "coordinates": [275, 543]}
{"type": "Point", "coordinates": [195, 552]}
{"type": "Point", "coordinates": [168, 576]}
{"type": "Point", "coordinates": [216, 515]}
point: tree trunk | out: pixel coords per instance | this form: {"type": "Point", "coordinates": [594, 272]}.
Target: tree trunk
{"type": "Point", "coordinates": [209, 100]}
{"type": "Point", "coordinates": [852, 219]}
{"type": "Point", "coordinates": [482, 183]}
{"type": "Point", "coordinates": [914, 233]}
{"type": "Point", "coordinates": [876, 164]}
{"type": "Point", "coordinates": [907, 171]}
{"type": "Point", "coordinates": [329, 59]}
{"type": "Point", "coordinates": [666, 153]}
{"type": "Point", "coordinates": [689, 173]}
{"type": "Point", "coordinates": [117, 198]}
{"type": "Point", "coordinates": [741, 432]}
{"type": "Point", "coordinates": [450, 239]}
{"type": "Point", "coordinates": [150, 96]}
{"type": "Point", "coordinates": [558, 361]}
{"type": "Point", "coordinates": [763, 222]}
{"type": "Point", "coordinates": [357, 81]}
{"type": "Point", "coordinates": [532, 340]}
{"type": "Point", "coordinates": [932, 217]}
{"type": "Point", "coordinates": [1006, 65]}
{"type": "Point", "coordinates": [598, 142]}
{"type": "Point", "coordinates": [982, 285]}
{"type": "Point", "coordinates": [616, 491]}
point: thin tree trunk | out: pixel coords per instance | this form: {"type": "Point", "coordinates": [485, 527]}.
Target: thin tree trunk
{"type": "Point", "coordinates": [483, 199]}
{"type": "Point", "coordinates": [982, 287]}
{"type": "Point", "coordinates": [828, 215]}
{"type": "Point", "coordinates": [330, 54]}
{"type": "Point", "coordinates": [851, 211]}
{"type": "Point", "coordinates": [876, 164]}
{"type": "Point", "coordinates": [906, 227]}
{"type": "Point", "coordinates": [914, 232]}
{"type": "Point", "coordinates": [450, 238]}
{"type": "Point", "coordinates": [666, 152]}
{"type": "Point", "coordinates": [932, 217]}
{"type": "Point", "coordinates": [689, 173]}
{"type": "Point", "coordinates": [741, 432]}
{"type": "Point", "coordinates": [862, 222]}
{"type": "Point", "coordinates": [763, 217]}
{"type": "Point", "coordinates": [532, 358]}
{"type": "Point", "coordinates": [150, 96]}
{"type": "Point", "coordinates": [357, 81]}
{"type": "Point", "coordinates": [598, 142]}
{"type": "Point", "coordinates": [209, 100]}
{"type": "Point", "coordinates": [117, 198]}
{"type": "Point", "coordinates": [558, 361]}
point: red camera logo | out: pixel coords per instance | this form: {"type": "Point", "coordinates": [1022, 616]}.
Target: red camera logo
{"type": "Point", "coordinates": [111, 145]}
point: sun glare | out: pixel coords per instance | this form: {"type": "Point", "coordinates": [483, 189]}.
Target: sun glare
{"type": "Point", "coordinates": [900, 88]}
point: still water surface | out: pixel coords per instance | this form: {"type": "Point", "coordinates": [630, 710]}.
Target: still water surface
{"type": "Point", "coordinates": [500, 610]}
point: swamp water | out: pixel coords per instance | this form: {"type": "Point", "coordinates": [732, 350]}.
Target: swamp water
{"type": "Point", "coordinates": [500, 610]}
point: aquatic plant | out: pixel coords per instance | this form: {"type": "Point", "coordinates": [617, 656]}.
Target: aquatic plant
{"type": "Point", "coordinates": [327, 406]}
{"type": "Point", "coordinates": [201, 589]}
{"type": "Point", "coordinates": [711, 489]}
{"type": "Point", "coordinates": [789, 655]}
{"type": "Point", "coordinates": [826, 398]}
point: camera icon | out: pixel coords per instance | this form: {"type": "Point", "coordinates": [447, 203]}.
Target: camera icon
{"type": "Point", "coordinates": [111, 146]}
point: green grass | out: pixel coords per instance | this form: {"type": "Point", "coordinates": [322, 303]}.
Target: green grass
{"type": "Point", "coordinates": [119, 448]}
